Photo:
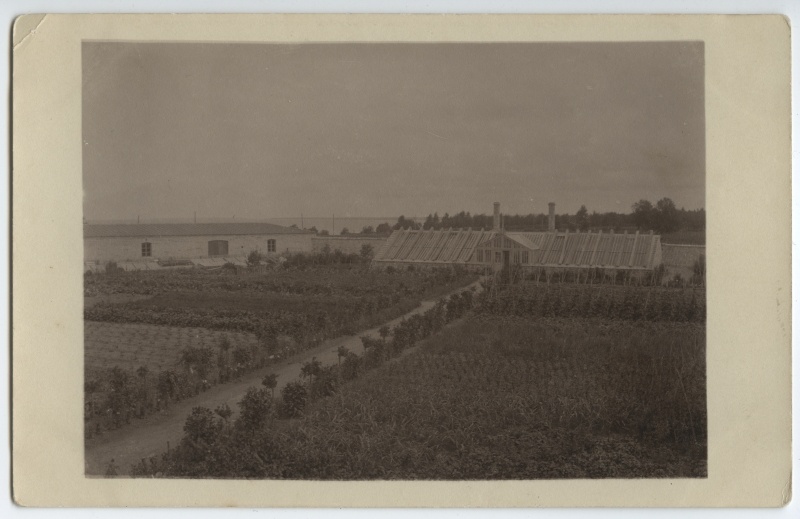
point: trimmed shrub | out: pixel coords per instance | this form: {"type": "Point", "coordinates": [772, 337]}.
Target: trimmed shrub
{"type": "Point", "coordinates": [295, 397]}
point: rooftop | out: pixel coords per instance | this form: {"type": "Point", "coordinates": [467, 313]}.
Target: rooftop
{"type": "Point", "coordinates": [557, 249]}
{"type": "Point", "coordinates": [149, 230]}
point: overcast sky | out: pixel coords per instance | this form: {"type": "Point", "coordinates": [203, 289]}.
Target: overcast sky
{"type": "Point", "coordinates": [264, 131]}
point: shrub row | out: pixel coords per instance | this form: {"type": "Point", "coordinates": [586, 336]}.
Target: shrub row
{"type": "Point", "coordinates": [311, 279]}
{"type": "Point", "coordinates": [140, 393]}
{"type": "Point", "coordinates": [115, 396]}
{"type": "Point", "coordinates": [607, 303]}
{"type": "Point", "coordinates": [491, 399]}
{"type": "Point", "coordinates": [210, 443]}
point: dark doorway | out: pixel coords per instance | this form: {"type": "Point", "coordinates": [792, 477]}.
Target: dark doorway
{"type": "Point", "coordinates": [218, 248]}
{"type": "Point", "coordinates": [506, 258]}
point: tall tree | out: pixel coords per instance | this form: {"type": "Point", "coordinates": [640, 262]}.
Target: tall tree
{"type": "Point", "coordinates": [367, 252]}
{"type": "Point", "coordinates": [643, 214]}
{"type": "Point", "coordinates": [667, 216]}
{"type": "Point", "coordinates": [582, 218]}
{"type": "Point", "coordinates": [383, 228]}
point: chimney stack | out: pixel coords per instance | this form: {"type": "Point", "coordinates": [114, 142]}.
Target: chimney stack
{"type": "Point", "coordinates": [551, 219]}
{"type": "Point", "coordinates": [496, 225]}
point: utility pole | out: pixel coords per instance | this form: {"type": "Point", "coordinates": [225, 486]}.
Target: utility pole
{"type": "Point", "coordinates": [195, 217]}
{"type": "Point", "coordinates": [333, 224]}
{"type": "Point", "coordinates": [302, 223]}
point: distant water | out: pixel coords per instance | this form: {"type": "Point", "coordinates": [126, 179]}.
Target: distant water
{"type": "Point", "coordinates": [332, 225]}
{"type": "Point", "coordinates": [335, 225]}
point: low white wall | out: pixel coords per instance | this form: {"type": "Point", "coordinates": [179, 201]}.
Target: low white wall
{"type": "Point", "coordinates": [129, 249]}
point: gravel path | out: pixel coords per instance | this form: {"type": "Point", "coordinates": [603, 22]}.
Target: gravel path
{"type": "Point", "coordinates": [149, 436]}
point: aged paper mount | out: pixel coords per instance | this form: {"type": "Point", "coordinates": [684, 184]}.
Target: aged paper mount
{"type": "Point", "coordinates": [748, 195]}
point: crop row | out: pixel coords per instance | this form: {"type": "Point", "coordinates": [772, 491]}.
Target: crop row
{"type": "Point", "coordinates": [586, 301]}
{"type": "Point", "coordinates": [115, 396]}
{"type": "Point", "coordinates": [319, 280]}
{"type": "Point", "coordinates": [301, 323]}
{"type": "Point", "coordinates": [155, 347]}
{"type": "Point", "coordinates": [492, 398]}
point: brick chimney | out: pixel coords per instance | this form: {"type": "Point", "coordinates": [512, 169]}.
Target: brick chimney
{"type": "Point", "coordinates": [551, 218]}
{"type": "Point", "coordinates": [496, 225]}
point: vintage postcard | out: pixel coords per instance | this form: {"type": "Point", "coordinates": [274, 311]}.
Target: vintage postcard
{"type": "Point", "coordinates": [456, 261]}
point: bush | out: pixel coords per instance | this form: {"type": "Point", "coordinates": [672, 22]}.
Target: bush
{"type": "Point", "coordinates": [367, 252]}
{"type": "Point", "coordinates": [256, 409]}
{"type": "Point", "coordinates": [112, 268]}
{"type": "Point", "coordinates": [350, 366]}
{"type": "Point", "coordinates": [254, 258]}
{"type": "Point", "coordinates": [370, 342]}
{"type": "Point", "coordinates": [199, 360]}
{"type": "Point", "coordinates": [242, 357]}
{"type": "Point", "coordinates": [270, 382]}
{"type": "Point", "coordinates": [373, 358]}
{"type": "Point", "coordinates": [167, 385]}
{"type": "Point", "coordinates": [224, 411]}
{"type": "Point", "coordinates": [120, 397]}
{"type": "Point", "coordinates": [295, 397]}
{"type": "Point", "coordinates": [325, 382]}
{"type": "Point", "coordinates": [202, 425]}
{"type": "Point", "coordinates": [311, 369]}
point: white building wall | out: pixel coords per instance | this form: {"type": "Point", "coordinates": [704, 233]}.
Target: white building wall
{"type": "Point", "coordinates": [190, 247]}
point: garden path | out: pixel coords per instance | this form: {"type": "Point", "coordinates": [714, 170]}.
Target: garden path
{"type": "Point", "coordinates": [151, 436]}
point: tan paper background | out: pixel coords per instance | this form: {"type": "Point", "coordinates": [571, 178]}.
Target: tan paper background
{"type": "Point", "coordinates": [749, 260]}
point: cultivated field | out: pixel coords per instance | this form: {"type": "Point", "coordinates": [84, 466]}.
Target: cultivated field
{"type": "Point", "coordinates": [305, 279]}
{"type": "Point", "coordinates": [153, 338]}
{"type": "Point", "coordinates": [308, 304]}
{"type": "Point", "coordinates": [609, 303]}
{"type": "Point", "coordinates": [157, 348]}
{"type": "Point", "coordinates": [507, 394]}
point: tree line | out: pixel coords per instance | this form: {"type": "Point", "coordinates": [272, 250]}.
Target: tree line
{"type": "Point", "coordinates": [662, 217]}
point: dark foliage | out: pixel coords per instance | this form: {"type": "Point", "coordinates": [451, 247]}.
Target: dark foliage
{"type": "Point", "coordinates": [295, 397]}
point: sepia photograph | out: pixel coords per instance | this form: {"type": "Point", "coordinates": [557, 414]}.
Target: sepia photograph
{"type": "Point", "coordinates": [394, 261]}
{"type": "Point", "coordinates": [348, 261]}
